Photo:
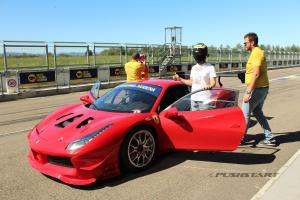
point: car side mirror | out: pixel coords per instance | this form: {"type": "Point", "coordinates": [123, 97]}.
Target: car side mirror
{"type": "Point", "coordinates": [86, 99]}
{"type": "Point", "coordinates": [172, 112]}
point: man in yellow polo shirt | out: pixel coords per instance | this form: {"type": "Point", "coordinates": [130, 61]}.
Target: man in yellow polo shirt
{"type": "Point", "coordinates": [136, 69]}
{"type": "Point", "coordinates": [257, 87]}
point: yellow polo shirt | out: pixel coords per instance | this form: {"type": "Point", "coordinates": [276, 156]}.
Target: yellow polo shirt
{"type": "Point", "coordinates": [134, 71]}
{"type": "Point", "coordinates": [257, 59]}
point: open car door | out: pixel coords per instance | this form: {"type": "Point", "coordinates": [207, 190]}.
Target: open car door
{"type": "Point", "coordinates": [215, 123]}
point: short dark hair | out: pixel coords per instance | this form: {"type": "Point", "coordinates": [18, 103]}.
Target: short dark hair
{"type": "Point", "coordinates": [252, 37]}
{"type": "Point", "coordinates": [136, 55]}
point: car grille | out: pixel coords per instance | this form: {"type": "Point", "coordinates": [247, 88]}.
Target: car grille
{"type": "Point", "coordinates": [62, 161]}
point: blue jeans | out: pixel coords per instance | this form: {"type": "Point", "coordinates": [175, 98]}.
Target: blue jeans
{"type": "Point", "coordinates": [255, 106]}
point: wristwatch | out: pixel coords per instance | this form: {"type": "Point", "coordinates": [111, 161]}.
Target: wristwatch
{"type": "Point", "coordinates": [248, 91]}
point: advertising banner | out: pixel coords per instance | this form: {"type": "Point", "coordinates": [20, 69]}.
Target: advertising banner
{"type": "Point", "coordinates": [235, 66]}
{"type": "Point", "coordinates": [37, 78]}
{"type": "Point", "coordinates": [171, 69]}
{"type": "Point", "coordinates": [154, 70]}
{"type": "Point", "coordinates": [117, 73]}
{"type": "Point", "coordinates": [83, 75]}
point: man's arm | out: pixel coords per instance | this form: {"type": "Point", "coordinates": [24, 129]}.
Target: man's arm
{"type": "Point", "coordinates": [212, 82]}
{"type": "Point", "coordinates": [250, 87]}
{"type": "Point", "coordinates": [185, 81]}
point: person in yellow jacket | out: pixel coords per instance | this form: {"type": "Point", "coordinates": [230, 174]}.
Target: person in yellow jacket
{"type": "Point", "coordinates": [136, 69]}
{"type": "Point", "coordinates": [257, 83]}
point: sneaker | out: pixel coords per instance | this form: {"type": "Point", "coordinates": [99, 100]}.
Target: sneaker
{"type": "Point", "coordinates": [269, 142]}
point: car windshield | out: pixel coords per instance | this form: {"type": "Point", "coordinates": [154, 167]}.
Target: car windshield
{"type": "Point", "coordinates": [128, 97]}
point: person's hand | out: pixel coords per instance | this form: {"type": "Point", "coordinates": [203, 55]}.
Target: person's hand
{"type": "Point", "coordinates": [176, 77]}
{"type": "Point", "coordinates": [246, 98]}
{"type": "Point", "coordinates": [207, 88]}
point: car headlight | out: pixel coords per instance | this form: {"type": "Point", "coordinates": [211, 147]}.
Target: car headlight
{"type": "Point", "coordinates": [86, 139]}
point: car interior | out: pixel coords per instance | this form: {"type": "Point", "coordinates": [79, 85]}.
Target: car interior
{"type": "Point", "coordinates": [172, 94]}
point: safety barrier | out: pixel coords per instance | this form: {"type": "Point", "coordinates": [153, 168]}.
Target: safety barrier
{"type": "Point", "coordinates": [33, 65]}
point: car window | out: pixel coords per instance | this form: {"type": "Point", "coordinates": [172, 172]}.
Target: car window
{"type": "Point", "coordinates": [207, 100]}
{"type": "Point", "coordinates": [134, 98]}
{"type": "Point", "coordinates": [172, 94]}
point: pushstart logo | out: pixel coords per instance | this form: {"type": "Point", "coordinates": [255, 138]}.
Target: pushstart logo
{"type": "Point", "coordinates": [243, 174]}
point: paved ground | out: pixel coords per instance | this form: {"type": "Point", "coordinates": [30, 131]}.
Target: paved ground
{"type": "Point", "coordinates": [177, 175]}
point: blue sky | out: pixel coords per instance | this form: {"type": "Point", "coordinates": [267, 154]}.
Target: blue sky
{"type": "Point", "coordinates": [213, 22]}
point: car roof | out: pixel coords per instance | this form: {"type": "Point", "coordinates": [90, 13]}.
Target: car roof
{"type": "Point", "coordinates": [164, 83]}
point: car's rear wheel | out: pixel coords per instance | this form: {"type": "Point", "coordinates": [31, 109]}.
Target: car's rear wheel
{"type": "Point", "coordinates": [138, 150]}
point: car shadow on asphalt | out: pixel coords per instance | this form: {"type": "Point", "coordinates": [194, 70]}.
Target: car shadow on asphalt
{"type": "Point", "coordinates": [175, 158]}
{"type": "Point", "coordinates": [171, 159]}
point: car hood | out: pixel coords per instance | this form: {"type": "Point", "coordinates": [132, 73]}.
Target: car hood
{"type": "Point", "coordinates": [75, 121]}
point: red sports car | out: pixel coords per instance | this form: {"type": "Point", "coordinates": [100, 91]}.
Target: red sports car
{"type": "Point", "coordinates": [128, 126]}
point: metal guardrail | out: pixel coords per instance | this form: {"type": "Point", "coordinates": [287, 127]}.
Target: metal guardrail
{"type": "Point", "coordinates": [32, 58]}
{"type": "Point", "coordinates": [19, 55]}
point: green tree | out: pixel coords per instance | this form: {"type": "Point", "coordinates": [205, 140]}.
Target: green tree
{"type": "Point", "coordinates": [238, 47]}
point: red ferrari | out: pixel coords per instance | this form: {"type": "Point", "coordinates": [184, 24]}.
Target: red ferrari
{"type": "Point", "coordinates": [126, 128]}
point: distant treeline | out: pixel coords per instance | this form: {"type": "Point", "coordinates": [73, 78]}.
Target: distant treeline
{"type": "Point", "coordinates": [116, 51]}
{"type": "Point", "coordinates": [293, 48]}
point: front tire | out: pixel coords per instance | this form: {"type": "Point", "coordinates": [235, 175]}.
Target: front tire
{"type": "Point", "coordinates": [138, 150]}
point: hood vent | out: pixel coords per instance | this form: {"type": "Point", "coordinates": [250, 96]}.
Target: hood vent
{"type": "Point", "coordinates": [63, 116]}
{"type": "Point", "coordinates": [85, 122]}
{"type": "Point", "coordinates": [67, 121]}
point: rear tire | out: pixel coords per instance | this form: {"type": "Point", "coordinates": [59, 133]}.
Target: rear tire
{"type": "Point", "coordinates": [138, 150]}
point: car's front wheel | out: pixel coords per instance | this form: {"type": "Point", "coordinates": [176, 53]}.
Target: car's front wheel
{"type": "Point", "coordinates": [138, 150]}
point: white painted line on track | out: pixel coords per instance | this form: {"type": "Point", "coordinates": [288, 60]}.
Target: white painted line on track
{"type": "Point", "coordinates": [20, 131]}
{"type": "Point", "coordinates": [267, 186]}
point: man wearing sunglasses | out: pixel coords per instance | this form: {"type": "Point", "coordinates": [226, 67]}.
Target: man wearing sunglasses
{"type": "Point", "coordinates": [257, 83]}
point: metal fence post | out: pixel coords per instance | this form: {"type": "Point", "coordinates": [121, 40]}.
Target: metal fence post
{"type": "Point", "coordinates": [126, 53]}
{"type": "Point", "coordinates": [94, 54]}
{"type": "Point", "coordinates": [152, 54]}
{"type": "Point", "coordinates": [121, 58]}
{"type": "Point", "coordinates": [88, 55]}
{"type": "Point", "coordinates": [4, 58]}
{"type": "Point", "coordinates": [47, 58]}
{"type": "Point", "coordinates": [54, 56]}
